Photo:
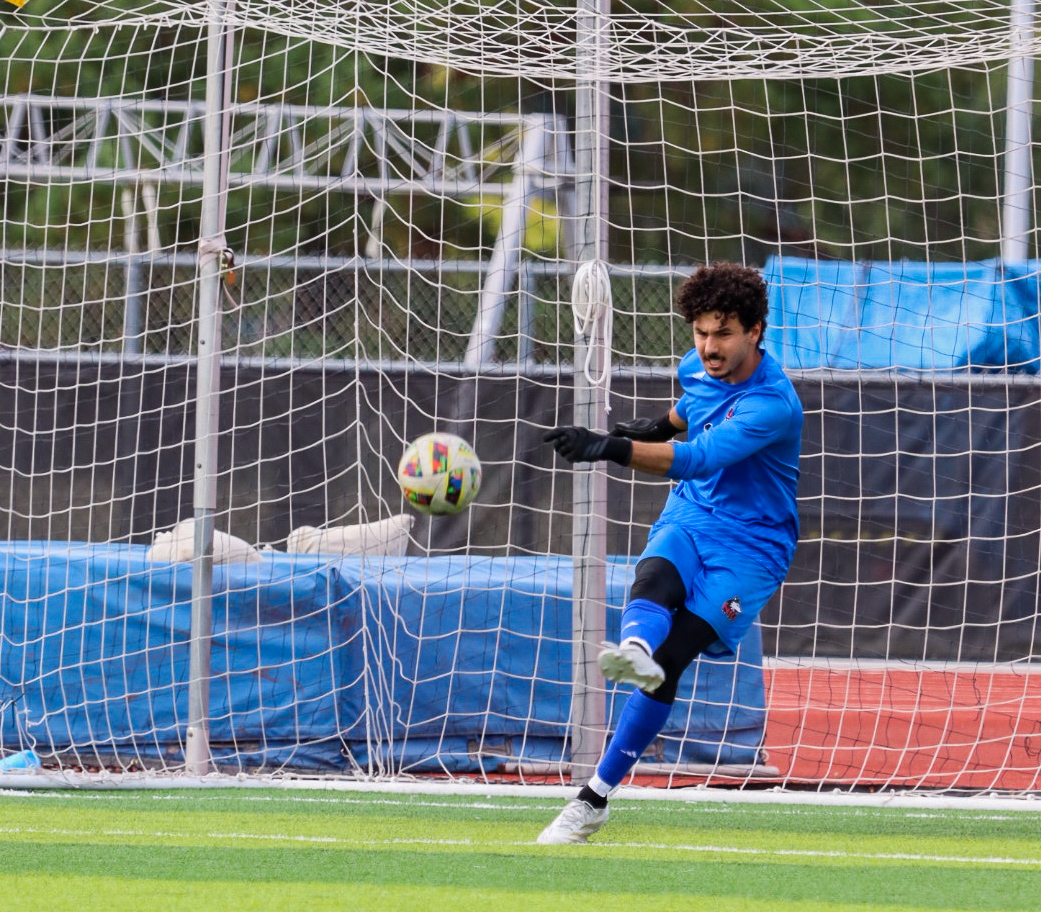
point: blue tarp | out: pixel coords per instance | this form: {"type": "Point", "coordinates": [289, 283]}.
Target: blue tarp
{"type": "Point", "coordinates": [904, 316]}
{"type": "Point", "coordinates": [319, 664]}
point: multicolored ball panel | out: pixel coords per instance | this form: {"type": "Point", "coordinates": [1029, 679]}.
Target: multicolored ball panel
{"type": "Point", "coordinates": [439, 473]}
{"type": "Point", "coordinates": [412, 467]}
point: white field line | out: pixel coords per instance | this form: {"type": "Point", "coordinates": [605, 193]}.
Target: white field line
{"type": "Point", "coordinates": [718, 850]}
{"type": "Point", "coordinates": [692, 802]}
{"type": "Point", "coordinates": [989, 801]}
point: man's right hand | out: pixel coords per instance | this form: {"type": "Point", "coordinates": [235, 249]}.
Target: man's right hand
{"type": "Point", "coordinates": [579, 444]}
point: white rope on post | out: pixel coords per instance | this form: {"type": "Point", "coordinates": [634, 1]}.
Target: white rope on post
{"type": "Point", "coordinates": [593, 309]}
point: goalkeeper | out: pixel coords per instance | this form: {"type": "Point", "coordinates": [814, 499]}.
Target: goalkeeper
{"type": "Point", "coordinates": [727, 534]}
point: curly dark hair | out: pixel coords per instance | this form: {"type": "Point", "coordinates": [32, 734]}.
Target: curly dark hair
{"type": "Point", "coordinates": [725, 288]}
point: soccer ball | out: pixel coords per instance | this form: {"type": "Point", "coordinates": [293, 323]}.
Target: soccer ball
{"type": "Point", "coordinates": [439, 473]}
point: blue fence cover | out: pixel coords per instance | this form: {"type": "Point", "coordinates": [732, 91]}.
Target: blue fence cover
{"type": "Point", "coordinates": [903, 315]}
{"type": "Point", "coordinates": [324, 664]}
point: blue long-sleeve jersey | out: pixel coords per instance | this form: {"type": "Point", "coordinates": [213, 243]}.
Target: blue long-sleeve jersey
{"type": "Point", "coordinates": [740, 462]}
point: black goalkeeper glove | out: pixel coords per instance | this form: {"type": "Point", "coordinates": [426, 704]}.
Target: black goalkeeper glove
{"type": "Point", "coordinates": [579, 444]}
{"type": "Point", "coordinates": [652, 430]}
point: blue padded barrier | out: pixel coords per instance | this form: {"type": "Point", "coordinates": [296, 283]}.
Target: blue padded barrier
{"type": "Point", "coordinates": [505, 625]}
{"type": "Point", "coordinates": [94, 650]}
{"type": "Point", "coordinates": [324, 664]}
{"type": "Point", "coordinates": [903, 315]}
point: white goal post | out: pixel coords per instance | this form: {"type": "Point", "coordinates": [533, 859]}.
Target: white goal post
{"type": "Point", "coordinates": [248, 252]}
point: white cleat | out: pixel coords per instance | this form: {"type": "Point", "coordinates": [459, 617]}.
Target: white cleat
{"type": "Point", "coordinates": [573, 825]}
{"type": "Point", "coordinates": [630, 664]}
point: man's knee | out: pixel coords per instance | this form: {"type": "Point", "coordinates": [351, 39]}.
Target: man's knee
{"type": "Point", "coordinates": [657, 580]}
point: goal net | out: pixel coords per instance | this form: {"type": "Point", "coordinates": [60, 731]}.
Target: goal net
{"type": "Point", "coordinates": [248, 252]}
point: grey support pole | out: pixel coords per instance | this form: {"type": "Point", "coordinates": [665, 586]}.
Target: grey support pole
{"type": "Point", "coordinates": [1018, 207]}
{"type": "Point", "coordinates": [504, 265]}
{"type": "Point", "coordinates": [589, 543]}
{"type": "Point", "coordinates": [207, 384]}
{"type": "Point", "coordinates": [135, 303]}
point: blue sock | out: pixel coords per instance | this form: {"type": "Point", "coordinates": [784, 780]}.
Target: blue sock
{"type": "Point", "coordinates": [647, 620]}
{"type": "Point", "coordinates": [641, 720]}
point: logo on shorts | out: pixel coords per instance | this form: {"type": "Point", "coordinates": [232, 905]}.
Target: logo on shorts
{"type": "Point", "coordinates": [732, 608]}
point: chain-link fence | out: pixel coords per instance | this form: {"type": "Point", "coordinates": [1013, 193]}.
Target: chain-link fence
{"type": "Point", "coordinates": [318, 308]}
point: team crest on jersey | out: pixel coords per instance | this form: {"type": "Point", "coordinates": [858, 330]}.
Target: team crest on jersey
{"type": "Point", "coordinates": [732, 608]}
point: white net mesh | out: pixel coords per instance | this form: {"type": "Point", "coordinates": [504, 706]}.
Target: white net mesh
{"type": "Point", "coordinates": [404, 201]}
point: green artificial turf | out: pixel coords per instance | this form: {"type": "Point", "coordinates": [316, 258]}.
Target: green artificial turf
{"type": "Point", "coordinates": [231, 850]}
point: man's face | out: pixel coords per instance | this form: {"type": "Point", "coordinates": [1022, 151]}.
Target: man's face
{"type": "Point", "coordinates": [727, 351]}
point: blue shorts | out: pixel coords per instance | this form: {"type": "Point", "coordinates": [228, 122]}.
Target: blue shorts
{"type": "Point", "coordinates": [724, 587]}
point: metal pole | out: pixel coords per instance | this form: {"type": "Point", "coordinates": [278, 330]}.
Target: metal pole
{"type": "Point", "coordinates": [134, 307]}
{"type": "Point", "coordinates": [207, 385]}
{"type": "Point", "coordinates": [135, 310]}
{"type": "Point", "coordinates": [1018, 205]}
{"type": "Point", "coordinates": [589, 543]}
{"type": "Point", "coordinates": [504, 264]}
